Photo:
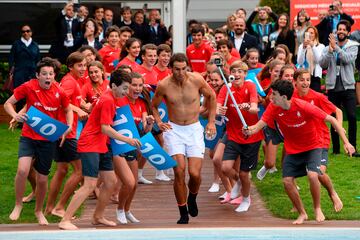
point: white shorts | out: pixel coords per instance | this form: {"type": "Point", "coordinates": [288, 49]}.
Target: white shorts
{"type": "Point", "coordinates": [187, 140]}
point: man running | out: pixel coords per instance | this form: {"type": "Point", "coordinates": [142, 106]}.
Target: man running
{"type": "Point", "coordinates": [183, 134]}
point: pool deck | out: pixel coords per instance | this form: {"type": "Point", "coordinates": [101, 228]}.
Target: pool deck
{"type": "Point", "coordinates": [155, 206]}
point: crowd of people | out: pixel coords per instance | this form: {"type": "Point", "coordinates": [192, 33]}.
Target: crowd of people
{"type": "Point", "coordinates": [130, 62]}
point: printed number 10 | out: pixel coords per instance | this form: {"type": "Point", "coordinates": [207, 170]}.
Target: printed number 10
{"type": "Point", "coordinates": [48, 128]}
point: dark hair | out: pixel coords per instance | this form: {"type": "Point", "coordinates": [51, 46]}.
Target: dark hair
{"type": "Point", "coordinates": [198, 28]}
{"type": "Point", "coordinates": [283, 88]}
{"type": "Point", "coordinates": [96, 26]}
{"type": "Point", "coordinates": [226, 75]}
{"type": "Point", "coordinates": [285, 30]}
{"type": "Point", "coordinates": [302, 12]}
{"type": "Point", "coordinates": [96, 64]}
{"type": "Point", "coordinates": [118, 77]}
{"type": "Point", "coordinates": [221, 31]}
{"type": "Point", "coordinates": [124, 52]}
{"type": "Point", "coordinates": [145, 92]}
{"type": "Point", "coordinates": [265, 72]}
{"type": "Point", "coordinates": [222, 42]}
{"type": "Point", "coordinates": [126, 29]}
{"type": "Point", "coordinates": [346, 23]}
{"type": "Point", "coordinates": [111, 29]}
{"type": "Point", "coordinates": [48, 62]}
{"type": "Point", "coordinates": [247, 54]}
{"type": "Point", "coordinates": [123, 67]}
{"type": "Point", "coordinates": [192, 21]}
{"type": "Point", "coordinates": [124, 9]}
{"type": "Point", "coordinates": [300, 72]}
{"type": "Point", "coordinates": [178, 57]}
{"type": "Point", "coordinates": [241, 9]}
{"type": "Point", "coordinates": [148, 46]}
{"type": "Point", "coordinates": [73, 58]}
{"type": "Point", "coordinates": [162, 48]}
{"type": "Point", "coordinates": [93, 50]}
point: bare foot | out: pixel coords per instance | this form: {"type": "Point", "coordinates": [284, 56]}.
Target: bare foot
{"type": "Point", "coordinates": [114, 199]}
{"type": "Point", "coordinates": [97, 192]}
{"type": "Point", "coordinates": [319, 216]}
{"type": "Point", "coordinates": [338, 205]}
{"type": "Point", "coordinates": [67, 225]}
{"type": "Point", "coordinates": [58, 212]}
{"type": "Point", "coordinates": [15, 214]}
{"type": "Point", "coordinates": [41, 219]}
{"type": "Point", "coordinates": [300, 220]}
{"type": "Point", "coordinates": [293, 209]}
{"type": "Point", "coordinates": [103, 221]}
{"type": "Point", "coordinates": [28, 198]}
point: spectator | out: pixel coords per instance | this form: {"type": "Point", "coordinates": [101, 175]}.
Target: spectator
{"type": "Point", "coordinates": [158, 31]}
{"type": "Point", "coordinates": [68, 34]}
{"type": "Point", "coordinates": [220, 34]}
{"type": "Point", "coordinates": [303, 22]}
{"type": "Point", "coordinates": [230, 21]}
{"type": "Point", "coordinates": [140, 27]}
{"type": "Point", "coordinates": [309, 54]}
{"type": "Point", "coordinates": [262, 29]}
{"type": "Point", "coordinates": [240, 13]}
{"type": "Point", "coordinates": [225, 47]}
{"type": "Point", "coordinates": [251, 58]}
{"type": "Point", "coordinates": [125, 34]}
{"type": "Point", "coordinates": [339, 59]}
{"type": "Point", "coordinates": [99, 17]}
{"type": "Point", "coordinates": [90, 31]}
{"type": "Point", "coordinates": [82, 13]}
{"type": "Point", "coordinates": [191, 24]}
{"type": "Point", "coordinates": [242, 40]}
{"type": "Point", "coordinates": [329, 23]}
{"type": "Point", "coordinates": [108, 19]}
{"type": "Point", "coordinates": [162, 66]}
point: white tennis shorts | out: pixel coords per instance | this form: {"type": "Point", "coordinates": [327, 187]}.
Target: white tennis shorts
{"type": "Point", "coordinates": [187, 140]}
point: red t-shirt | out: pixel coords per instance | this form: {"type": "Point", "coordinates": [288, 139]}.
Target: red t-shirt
{"type": "Point", "coordinates": [321, 101]}
{"type": "Point", "coordinates": [134, 65]}
{"type": "Point", "coordinates": [91, 94]}
{"type": "Point", "coordinates": [198, 57]}
{"type": "Point", "coordinates": [109, 55]}
{"type": "Point", "coordinates": [244, 94]}
{"type": "Point", "coordinates": [231, 60]}
{"type": "Point", "coordinates": [91, 138]}
{"type": "Point", "coordinates": [51, 102]}
{"type": "Point", "coordinates": [73, 92]}
{"type": "Point", "coordinates": [162, 74]}
{"type": "Point", "coordinates": [235, 53]}
{"type": "Point", "coordinates": [137, 108]}
{"type": "Point", "coordinates": [298, 125]}
{"type": "Point", "coordinates": [150, 76]}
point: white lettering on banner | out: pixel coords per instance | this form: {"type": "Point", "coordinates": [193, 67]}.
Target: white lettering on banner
{"type": "Point", "coordinates": [162, 112]}
{"type": "Point", "coordinates": [36, 120]}
{"type": "Point", "coordinates": [47, 126]}
{"type": "Point", "coordinates": [125, 132]}
{"type": "Point", "coordinates": [161, 159]}
{"type": "Point", "coordinates": [122, 119]}
{"type": "Point", "coordinates": [148, 148]}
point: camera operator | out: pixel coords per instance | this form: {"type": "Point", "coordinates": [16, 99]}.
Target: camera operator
{"type": "Point", "coordinates": [328, 24]}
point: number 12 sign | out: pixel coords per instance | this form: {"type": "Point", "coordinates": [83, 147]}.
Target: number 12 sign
{"type": "Point", "coordinates": [44, 125]}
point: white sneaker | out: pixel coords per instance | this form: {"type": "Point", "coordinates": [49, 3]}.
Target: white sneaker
{"type": "Point", "coordinates": [170, 173]}
{"type": "Point", "coordinates": [273, 170]}
{"type": "Point", "coordinates": [121, 217]}
{"type": "Point", "coordinates": [262, 173]}
{"type": "Point", "coordinates": [223, 196]}
{"type": "Point", "coordinates": [131, 217]}
{"type": "Point", "coordinates": [143, 180]}
{"type": "Point", "coordinates": [235, 191]}
{"type": "Point", "coordinates": [215, 187]}
{"type": "Point", "coordinates": [160, 175]}
{"type": "Point", "coordinates": [244, 206]}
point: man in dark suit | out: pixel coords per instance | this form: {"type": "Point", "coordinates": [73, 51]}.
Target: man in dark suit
{"type": "Point", "coordinates": [68, 34]}
{"type": "Point", "coordinates": [158, 31]}
{"type": "Point", "coordinates": [242, 40]}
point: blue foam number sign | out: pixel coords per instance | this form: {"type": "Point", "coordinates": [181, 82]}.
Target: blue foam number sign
{"type": "Point", "coordinates": [45, 126]}
{"type": "Point", "coordinates": [251, 76]}
{"type": "Point", "coordinates": [152, 151]}
{"type": "Point", "coordinates": [210, 142]}
{"type": "Point", "coordinates": [125, 125]}
{"type": "Point", "coordinates": [162, 110]}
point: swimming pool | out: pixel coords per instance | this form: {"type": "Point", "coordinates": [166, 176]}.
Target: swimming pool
{"type": "Point", "coordinates": [301, 233]}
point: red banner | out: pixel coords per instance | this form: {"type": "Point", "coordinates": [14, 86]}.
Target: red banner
{"type": "Point", "coordinates": [313, 7]}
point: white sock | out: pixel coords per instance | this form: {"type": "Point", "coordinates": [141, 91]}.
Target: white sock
{"type": "Point", "coordinates": [140, 172]}
{"type": "Point", "coordinates": [121, 217]}
{"type": "Point", "coordinates": [244, 205]}
{"type": "Point", "coordinates": [131, 217]}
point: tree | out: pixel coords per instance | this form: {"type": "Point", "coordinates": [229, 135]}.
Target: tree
{"type": "Point", "coordinates": [277, 6]}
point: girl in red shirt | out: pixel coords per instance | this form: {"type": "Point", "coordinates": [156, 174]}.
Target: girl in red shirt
{"type": "Point", "coordinates": [127, 163]}
{"type": "Point", "coordinates": [129, 53]}
{"type": "Point", "coordinates": [225, 46]}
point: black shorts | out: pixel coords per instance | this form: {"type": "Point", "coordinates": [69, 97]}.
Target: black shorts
{"type": "Point", "coordinates": [297, 165]}
{"type": "Point", "coordinates": [155, 129]}
{"type": "Point", "coordinates": [43, 151]}
{"type": "Point", "coordinates": [273, 135]}
{"type": "Point", "coordinates": [248, 154]}
{"type": "Point", "coordinates": [224, 139]}
{"type": "Point", "coordinates": [129, 156]}
{"type": "Point", "coordinates": [324, 156]}
{"type": "Point", "coordinates": [92, 163]}
{"type": "Point", "coordinates": [68, 152]}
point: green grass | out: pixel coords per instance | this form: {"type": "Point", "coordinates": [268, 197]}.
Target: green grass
{"type": "Point", "coordinates": [9, 162]}
{"type": "Point", "coordinates": [344, 172]}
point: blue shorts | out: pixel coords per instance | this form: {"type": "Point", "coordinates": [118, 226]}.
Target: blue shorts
{"type": "Point", "coordinates": [43, 151]}
{"type": "Point", "coordinates": [68, 152]}
{"type": "Point", "coordinates": [92, 163]}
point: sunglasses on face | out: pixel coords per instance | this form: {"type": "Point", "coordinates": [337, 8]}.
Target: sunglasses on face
{"type": "Point", "coordinates": [25, 31]}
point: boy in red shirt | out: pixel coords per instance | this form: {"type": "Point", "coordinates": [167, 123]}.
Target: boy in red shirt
{"type": "Point", "coordinates": [162, 66]}
{"type": "Point", "coordinates": [44, 94]}
{"type": "Point", "coordinates": [303, 91]}
{"type": "Point", "coordinates": [198, 52]}
{"type": "Point", "coordinates": [96, 157]}
{"type": "Point", "coordinates": [149, 57]}
{"type": "Point", "coordinates": [110, 52]}
{"type": "Point", "coordinates": [67, 154]}
{"type": "Point", "coordinates": [297, 121]}
{"type": "Point", "coordinates": [239, 144]}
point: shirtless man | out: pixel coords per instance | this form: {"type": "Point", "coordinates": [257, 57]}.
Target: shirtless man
{"type": "Point", "coordinates": [183, 134]}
